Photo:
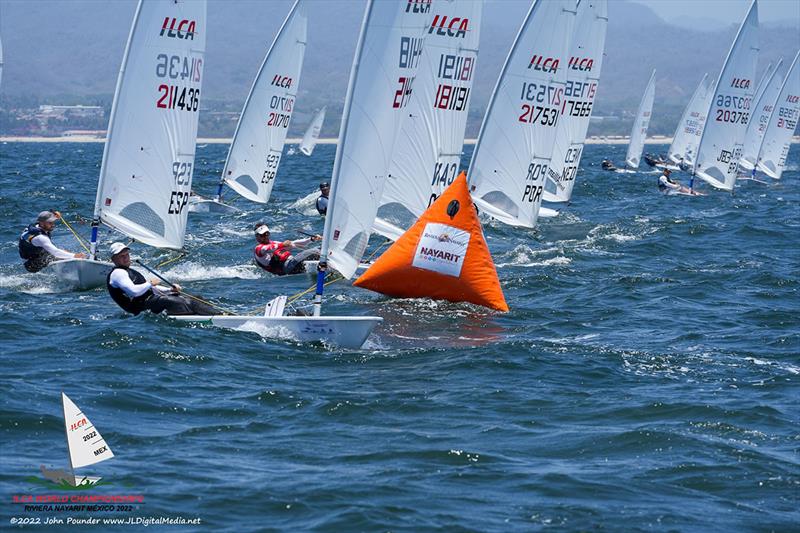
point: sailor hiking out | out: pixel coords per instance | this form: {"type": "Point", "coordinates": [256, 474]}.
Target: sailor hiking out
{"type": "Point", "coordinates": [36, 246]}
{"type": "Point", "coordinates": [669, 186]}
{"type": "Point", "coordinates": [133, 293]}
{"type": "Point", "coordinates": [276, 257]}
{"type": "Point", "coordinates": [608, 165]}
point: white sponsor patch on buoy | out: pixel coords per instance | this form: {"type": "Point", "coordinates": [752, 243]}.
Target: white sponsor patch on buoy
{"type": "Point", "coordinates": [442, 249]}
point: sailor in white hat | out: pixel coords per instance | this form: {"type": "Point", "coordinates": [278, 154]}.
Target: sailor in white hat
{"type": "Point", "coordinates": [276, 256]}
{"type": "Point", "coordinates": [133, 293]}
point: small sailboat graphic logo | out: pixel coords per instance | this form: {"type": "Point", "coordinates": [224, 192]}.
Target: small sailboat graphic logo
{"type": "Point", "coordinates": [85, 446]}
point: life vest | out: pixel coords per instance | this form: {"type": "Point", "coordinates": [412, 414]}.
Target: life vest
{"type": "Point", "coordinates": [28, 250]}
{"type": "Point", "coordinates": [132, 305]}
{"type": "Point", "coordinates": [277, 261]}
{"type": "Point", "coordinates": [322, 205]}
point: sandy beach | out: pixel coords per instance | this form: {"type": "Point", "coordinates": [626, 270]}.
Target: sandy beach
{"type": "Point", "coordinates": [211, 140]}
{"type": "Point", "coordinates": [296, 140]}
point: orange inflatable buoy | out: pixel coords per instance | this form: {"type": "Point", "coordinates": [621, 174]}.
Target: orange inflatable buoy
{"type": "Point", "coordinates": [442, 256]}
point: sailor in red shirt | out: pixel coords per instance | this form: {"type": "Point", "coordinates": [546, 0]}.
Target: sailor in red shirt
{"type": "Point", "coordinates": [276, 257]}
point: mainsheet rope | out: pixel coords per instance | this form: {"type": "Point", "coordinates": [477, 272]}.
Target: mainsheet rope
{"type": "Point", "coordinates": [69, 227]}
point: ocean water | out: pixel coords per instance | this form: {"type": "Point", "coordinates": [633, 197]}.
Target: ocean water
{"type": "Point", "coordinates": [646, 378]}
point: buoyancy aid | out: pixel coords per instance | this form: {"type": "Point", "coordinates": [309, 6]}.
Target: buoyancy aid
{"type": "Point", "coordinates": [28, 250]}
{"type": "Point", "coordinates": [276, 261]}
{"type": "Point", "coordinates": [132, 305]}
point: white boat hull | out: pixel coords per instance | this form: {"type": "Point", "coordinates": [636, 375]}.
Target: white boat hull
{"type": "Point", "coordinates": [668, 166]}
{"type": "Point", "coordinates": [343, 331]}
{"type": "Point", "coordinates": [546, 212]}
{"type": "Point", "coordinates": [80, 274]}
{"type": "Point", "coordinates": [210, 206]}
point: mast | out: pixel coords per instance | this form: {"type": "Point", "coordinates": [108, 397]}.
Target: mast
{"type": "Point", "coordinates": [120, 76]}
{"type": "Point", "coordinates": [337, 164]}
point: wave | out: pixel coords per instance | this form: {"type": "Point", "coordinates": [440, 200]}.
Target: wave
{"type": "Point", "coordinates": [193, 271]}
{"type": "Point", "coordinates": [31, 283]}
{"type": "Point", "coordinates": [306, 205]}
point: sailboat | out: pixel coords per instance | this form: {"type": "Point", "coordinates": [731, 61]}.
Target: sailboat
{"type": "Point", "coordinates": [312, 133]}
{"type": "Point", "coordinates": [148, 159]}
{"type": "Point", "coordinates": [387, 54]}
{"type": "Point", "coordinates": [257, 146]}
{"type": "Point", "coordinates": [583, 77]}
{"type": "Point", "coordinates": [782, 124]}
{"type": "Point", "coordinates": [729, 109]}
{"type": "Point", "coordinates": [427, 156]}
{"type": "Point", "coordinates": [85, 445]}
{"type": "Point", "coordinates": [763, 106]}
{"type": "Point", "coordinates": [640, 124]}
{"type": "Point", "coordinates": [515, 144]}
{"type": "Point", "coordinates": [690, 127]}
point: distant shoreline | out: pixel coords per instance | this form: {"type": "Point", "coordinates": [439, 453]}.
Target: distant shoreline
{"type": "Point", "coordinates": [210, 140]}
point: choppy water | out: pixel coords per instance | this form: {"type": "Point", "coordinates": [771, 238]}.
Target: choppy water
{"type": "Point", "coordinates": [646, 377]}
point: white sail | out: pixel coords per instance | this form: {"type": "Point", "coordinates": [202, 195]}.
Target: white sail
{"type": "Point", "coordinates": [427, 156]}
{"type": "Point", "coordinates": [257, 146]}
{"type": "Point", "coordinates": [510, 161]}
{"type": "Point", "coordinates": [690, 127]}
{"type": "Point", "coordinates": [381, 79]}
{"type": "Point", "coordinates": [583, 77]}
{"type": "Point", "coordinates": [146, 174]}
{"type": "Point", "coordinates": [640, 124]}
{"type": "Point", "coordinates": [782, 124]}
{"type": "Point", "coordinates": [312, 133]}
{"type": "Point", "coordinates": [764, 103]}
{"type": "Point", "coordinates": [730, 109]}
{"type": "Point", "coordinates": [86, 445]}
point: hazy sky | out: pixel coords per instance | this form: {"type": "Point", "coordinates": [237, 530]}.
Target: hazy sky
{"type": "Point", "coordinates": [724, 11]}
